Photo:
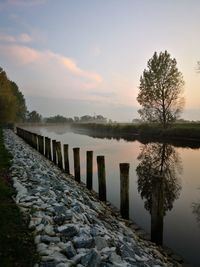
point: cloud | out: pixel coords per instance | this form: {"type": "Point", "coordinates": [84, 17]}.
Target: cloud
{"type": "Point", "coordinates": [22, 55]}
{"type": "Point", "coordinates": [23, 2]}
{"type": "Point", "coordinates": [8, 4]}
{"type": "Point", "coordinates": [73, 68]}
{"type": "Point", "coordinates": [22, 38]}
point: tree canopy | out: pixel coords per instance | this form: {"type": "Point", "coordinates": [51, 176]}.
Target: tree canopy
{"type": "Point", "coordinates": [58, 119]}
{"type": "Point", "coordinates": [160, 90]}
{"type": "Point", "coordinates": [12, 102]}
{"type": "Point", "coordinates": [33, 116]}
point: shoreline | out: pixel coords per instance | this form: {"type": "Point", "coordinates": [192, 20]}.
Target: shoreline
{"type": "Point", "coordinates": [54, 241]}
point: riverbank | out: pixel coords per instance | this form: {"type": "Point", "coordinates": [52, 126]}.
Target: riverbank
{"type": "Point", "coordinates": [15, 238]}
{"type": "Point", "coordinates": [71, 226]}
{"type": "Point", "coordinates": [186, 131]}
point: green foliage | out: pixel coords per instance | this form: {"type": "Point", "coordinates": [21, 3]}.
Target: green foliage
{"type": "Point", "coordinates": [12, 102]}
{"type": "Point", "coordinates": [8, 105]}
{"type": "Point", "coordinates": [21, 103]}
{"type": "Point", "coordinates": [58, 119]}
{"type": "Point", "coordinates": [142, 132]}
{"type": "Point", "coordinates": [34, 116]}
{"type": "Point", "coordinates": [160, 90]}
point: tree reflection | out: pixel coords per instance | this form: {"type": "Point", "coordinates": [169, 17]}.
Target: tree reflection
{"type": "Point", "coordinates": [196, 211]}
{"type": "Point", "coordinates": [158, 173]}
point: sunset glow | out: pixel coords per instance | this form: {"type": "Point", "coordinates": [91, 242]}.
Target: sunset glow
{"type": "Point", "coordinates": [86, 57]}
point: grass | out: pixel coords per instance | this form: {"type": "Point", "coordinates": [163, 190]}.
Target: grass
{"type": "Point", "coordinates": [181, 131]}
{"type": "Point", "coordinates": [16, 241]}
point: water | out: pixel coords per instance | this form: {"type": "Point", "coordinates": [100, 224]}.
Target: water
{"type": "Point", "coordinates": [164, 187]}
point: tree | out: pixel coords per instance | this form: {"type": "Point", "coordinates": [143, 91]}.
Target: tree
{"type": "Point", "coordinates": [12, 102]}
{"type": "Point", "coordinates": [20, 101]}
{"type": "Point", "coordinates": [33, 116]}
{"type": "Point", "coordinates": [198, 66]}
{"type": "Point", "coordinates": [160, 90]}
{"type": "Point", "coordinates": [58, 119]}
{"type": "Point", "coordinates": [8, 102]}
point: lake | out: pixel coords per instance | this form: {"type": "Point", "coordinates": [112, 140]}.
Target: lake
{"type": "Point", "coordinates": [164, 186]}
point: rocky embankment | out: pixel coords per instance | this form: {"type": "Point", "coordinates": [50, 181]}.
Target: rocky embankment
{"type": "Point", "coordinates": [71, 227]}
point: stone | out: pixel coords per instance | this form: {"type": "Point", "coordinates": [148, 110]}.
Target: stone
{"type": "Point", "coordinates": [83, 241]}
{"type": "Point", "coordinates": [48, 264]}
{"type": "Point", "coordinates": [114, 258]}
{"type": "Point", "coordinates": [71, 226]}
{"type": "Point", "coordinates": [91, 259]}
{"type": "Point", "coordinates": [100, 243]}
{"type": "Point", "coordinates": [68, 230]}
{"type": "Point", "coordinates": [49, 230]}
{"type": "Point", "coordinates": [126, 251]}
{"type": "Point", "coordinates": [69, 250]}
{"type": "Point", "coordinates": [48, 239]}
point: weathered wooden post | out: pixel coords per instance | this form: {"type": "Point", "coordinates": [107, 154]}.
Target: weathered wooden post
{"type": "Point", "coordinates": [77, 174]}
{"type": "Point", "coordinates": [54, 151]}
{"type": "Point", "coordinates": [124, 190]}
{"type": "Point", "coordinates": [31, 139]}
{"type": "Point", "coordinates": [49, 149]}
{"type": "Point", "coordinates": [157, 210]}
{"type": "Point", "coordinates": [89, 168]}
{"type": "Point", "coordinates": [35, 141]}
{"type": "Point", "coordinates": [46, 153]}
{"type": "Point", "coordinates": [41, 144]}
{"type": "Point", "coordinates": [101, 177]}
{"type": "Point", "coordinates": [59, 155]}
{"type": "Point", "coordinates": [66, 158]}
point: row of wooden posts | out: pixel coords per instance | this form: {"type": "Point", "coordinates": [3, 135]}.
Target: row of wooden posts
{"type": "Point", "coordinates": [52, 151]}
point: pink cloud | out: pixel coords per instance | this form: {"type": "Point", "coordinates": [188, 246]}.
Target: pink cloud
{"type": "Point", "coordinates": [73, 68]}
{"type": "Point", "coordinates": [22, 38]}
{"type": "Point", "coordinates": [7, 38]}
{"type": "Point", "coordinates": [25, 55]}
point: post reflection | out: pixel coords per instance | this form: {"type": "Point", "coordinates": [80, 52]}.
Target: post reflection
{"type": "Point", "coordinates": [196, 212]}
{"type": "Point", "coordinates": [158, 183]}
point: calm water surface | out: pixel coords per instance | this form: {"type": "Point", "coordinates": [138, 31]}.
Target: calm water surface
{"type": "Point", "coordinates": [164, 188]}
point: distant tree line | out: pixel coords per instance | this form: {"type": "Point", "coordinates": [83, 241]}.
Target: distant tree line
{"type": "Point", "coordinates": [82, 119]}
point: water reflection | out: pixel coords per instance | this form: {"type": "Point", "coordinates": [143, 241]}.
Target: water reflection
{"type": "Point", "coordinates": [196, 211]}
{"type": "Point", "coordinates": [158, 183]}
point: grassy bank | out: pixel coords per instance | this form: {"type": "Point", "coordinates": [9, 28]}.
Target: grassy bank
{"type": "Point", "coordinates": [16, 242]}
{"type": "Point", "coordinates": [184, 131]}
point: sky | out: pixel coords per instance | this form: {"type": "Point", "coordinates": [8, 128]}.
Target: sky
{"type": "Point", "coordinates": [78, 57]}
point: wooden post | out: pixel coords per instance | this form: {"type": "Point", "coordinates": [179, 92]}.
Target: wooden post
{"type": "Point", "coordinates": [101, 177]}
{"type": "Point", "coordinates": [54, 151]}
{"type": "Point", "coordinates": [124, 190]}
{"type": "Point", "coordinates": [35, 140]}
{"type": "Point", "coordinates": [157, 210]}
{"type": "Point", "coordinates": [36, 143]}
{"type": "Point", "coordinates": [59, 155]}
{"type": "Point", "coordinates": [89, 168]}
{"type": "Point", "coordinates": [41, 144]}
{"type": "Point", "coordinates": [49, 149]}
{"type": "Point", "coordinates": [46, 153]}
{"type": "Point", "coordinates": [77, 175]}
{"type": "Point", "coordinates": [66, 158]}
